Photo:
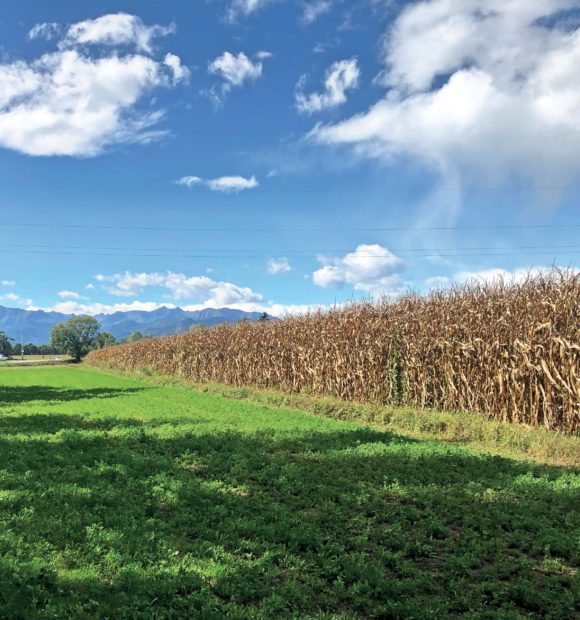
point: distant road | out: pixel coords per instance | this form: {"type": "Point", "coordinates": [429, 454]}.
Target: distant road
{"type": "Point", "coordinates": [15, 362]}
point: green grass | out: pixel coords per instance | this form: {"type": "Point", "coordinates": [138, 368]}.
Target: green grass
{"type": "Point", "coordinates": [124, 499]}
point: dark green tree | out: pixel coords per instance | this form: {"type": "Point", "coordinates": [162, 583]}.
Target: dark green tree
{"type": "Point", "coordinates": [264, 316]}
{"type": "Point", "coordinates": [76, 337]}
{"type": "Point", "coordinates": [105, 340]}
{"type": "Point", "coordinates": [5, 344]}
{"type": "Point", "coordinates": [135, 337]}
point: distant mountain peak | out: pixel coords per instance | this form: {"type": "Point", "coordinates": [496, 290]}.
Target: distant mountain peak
{"type": "Point", "coordinates": [36, 324]}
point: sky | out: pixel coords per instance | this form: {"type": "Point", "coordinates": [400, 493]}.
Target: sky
{"type": "Point", "coordinates": [281, 155]}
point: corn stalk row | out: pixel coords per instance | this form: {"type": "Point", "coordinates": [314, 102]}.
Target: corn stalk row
{"type": "Point", "coordinates": [510, 351]}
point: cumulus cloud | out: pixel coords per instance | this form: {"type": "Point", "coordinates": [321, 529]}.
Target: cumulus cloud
{"type": "Point", "coordinates": [179, 285]}
{"type": "Point", "coordinates": [370, 268]}
{"type": "Point", "coordinates": [70, 102]}
{"type": "Point", "coordinates": [495, 274]}
{"type": "Point", "coordinates": [341, 77]}
{"type": "Point", "coordinates": [226, 184]}
{"type": "Point", "coordinates": [276, 267]}
{"type": "Point", "coordinates": [234, 70]}
{"type": "Point", "coordinates": [200, 291]}
{"type": "Point", "coordinates": [7, 283]}
{"type": "Point", "coordinates": [114, 30]}
{"type": "Point", "coordinates": [492, 89]}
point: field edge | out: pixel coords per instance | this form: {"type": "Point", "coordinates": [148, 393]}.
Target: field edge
{"type": "Point", "coordinates": [469, 429]}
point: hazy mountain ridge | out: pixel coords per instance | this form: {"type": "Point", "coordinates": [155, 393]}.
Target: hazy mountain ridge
{"type": "Point", "coordinates": [36, 324]}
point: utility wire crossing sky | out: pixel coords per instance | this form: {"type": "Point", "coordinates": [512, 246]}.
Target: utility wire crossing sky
{"type": "Point", "coordinates": [213, 154]}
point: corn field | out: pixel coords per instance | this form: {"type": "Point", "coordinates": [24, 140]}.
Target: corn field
{"type": "Point", "coordinates": [510, 351]}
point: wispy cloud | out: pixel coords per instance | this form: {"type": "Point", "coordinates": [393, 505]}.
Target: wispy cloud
{"type": "Point", "coordinates": [115, 29]}
{"type": "Point", "coordinates": [70, 295]}
{"type": "Point", "coordinates": [313, 10]}
{"type": "Point", "coordinates": [341, 77]}
{"type": "Point", "coordinates": [243, 8]}
{"type": "Point", "coordinates": [225, 184]}
{"type": "Point", "coordinates": [47, 31]}
{"type": "Point", "coordinates": [13, 298]}
{"type": "Point", "coordinates": [491, 93]}
{"type": "Point", "coordinates": [278, 266]}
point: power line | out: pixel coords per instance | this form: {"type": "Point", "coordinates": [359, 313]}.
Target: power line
{"type": "Point", "coordinates": [247, 256]}
{"type": "Point", "coordinates": [279, 251]}
{"type": "Point", "coordinates": [281, 229]}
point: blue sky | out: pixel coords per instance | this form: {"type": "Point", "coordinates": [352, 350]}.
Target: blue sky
{"type": "Point", "coordinates": [282, 154]}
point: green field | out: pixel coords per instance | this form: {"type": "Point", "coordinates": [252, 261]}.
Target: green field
{"type": "Point", "coordinates": [125, 499]}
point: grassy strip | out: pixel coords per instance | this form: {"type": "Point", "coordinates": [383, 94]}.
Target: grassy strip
{"type": "Point", "coordinates": [492, 437]}
{"type": "Point", "coordinates": [124, 499]}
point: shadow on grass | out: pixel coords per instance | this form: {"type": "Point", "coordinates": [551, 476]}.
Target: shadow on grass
{"type": "Point", "coordinates": [112, 518]}
{"type": "Point", "coordinates": [10, 395]}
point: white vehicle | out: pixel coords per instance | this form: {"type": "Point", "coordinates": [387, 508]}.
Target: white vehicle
{"type": "Point", "coordinates": [3, 358]}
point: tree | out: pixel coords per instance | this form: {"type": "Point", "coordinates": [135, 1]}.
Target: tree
{"type": "Point", "coordinates": [195, 327]}
{"type": "Point", "coordinates": [76, 337]}
{"type": "Point", "coordinates": [135, 337]}
{"type": "Point", "coordinates": [106, 339]}
{"type": "Point", "coordinates": [264, 316]}
{"type": "Point", "coordinates": [5, 344]}
{"type": "Point", "coordinates": [47, 349]}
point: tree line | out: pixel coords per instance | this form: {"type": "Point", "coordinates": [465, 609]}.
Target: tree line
{"type": "Point", "coordinates": [75, 337]}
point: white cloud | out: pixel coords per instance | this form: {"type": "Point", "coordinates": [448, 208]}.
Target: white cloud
{"type": "Point", "coordinates": [14, 298]}
{"type": "Point", "coordinates": [71, 103]}
{"type": "Point", "coordinates": [74, 307]}
{"type": "Point", "coordinates": [179, 286]}
{"type": "Point", "coordinates": [246, 7]}
{"type": "Point", "coordinates": [180, 72]}
{"type": "Point", "coordinates": [115, 29]}
{"type": "Point", "coordinates": [313, 10]}
{"type": "Point", "coordinates": [234, 70]}
{"type": "Point", "coordinates": [487, 88]}
{"type": "Point", "coordinates": [89, 287]}
{"type": "Point", "coordinates": [232, 184]}
{"type": "Point", "coordinates": [47, 31]}
{"type": "Point", "coordinates": [7, 283]}
{"type": "Point", "coordinates": [278, 310]}
{"type": "Point", "coordinates": [227, 184]}
{"type": "Point", "coordinates": [70, 295]}
{"type": "Point", "coordinates": [488, 276]}
{"type": "Point", "coordinates": [438, 282]}
{"type": "Point", "coordinates": [370, 268]}
{"type": "Point", "coordinates": [341, 77]}
{"type": "Point", "coordinates": [276, 267]}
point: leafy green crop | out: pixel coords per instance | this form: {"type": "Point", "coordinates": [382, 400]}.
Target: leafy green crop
{"type": "Point", "coordinates": [121, 499]}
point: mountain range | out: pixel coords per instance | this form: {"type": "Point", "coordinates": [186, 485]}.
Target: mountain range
{"type": "Point", "coordinates": [36, 324]}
